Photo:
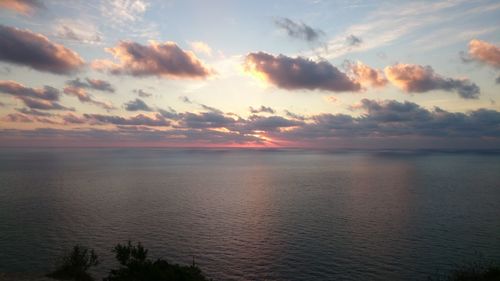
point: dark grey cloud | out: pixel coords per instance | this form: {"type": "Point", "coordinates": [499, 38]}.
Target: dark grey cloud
{"type": "Point", "coordinates": [294, 115]}
{"type": "Point", "coordinates": [210, 108]}
{"type": "Point", "coordinates": [70, 118]}
{"type": "Point", "coordinates": [262, 109]}
{"type": "Point", "coordinates": [205, 120]}
{"type": "Point", "coordinates": [141, 93]}
{"type": "Point", "coordinates": [137, 120]}
{"type": "Point", "coordinates": [23, 47]}
{"type": "Point", "coordinates": [155, 59]}
{"type": "Point", "coordinates": [18, 90]}
{"type": "Point", "coordinates": [137, 105]}
{"type": "Point", "coordinates": [127, 135]}
{"type": "Point", "coordinates": [85, 97]}
{"type": "Point", "coordinates": [497, 80]}
{"type": "Point", "coordinates": [24, 118]}
{"type": "Point", "coordinates": [271, 123]}
{"type": "Point", "coordinates": [34, 112]}
{"type": "Point", "coordinates": [299, 30]}
{"type": "Point", "coordinates": [185, 99]}
{"type": "Point", "coordinates": [93, 84]}
{"type": "Point", "coordinates": [169, 113]}
{"type": "Point", "coordinates": [414, 78]}
{"type": "Point", "coordinates": [353, 41]}
{"type": "Point", "coordinates": [5, 70]}
{"type": "Point", "coordinates": [392, 121]}
{"type": "Point", "coordinates": [35, 98]}
{"type": "Point", "coordinates": [18, 118]}
{"type": "Point", "coordinates": [299, 73]}
{"type": "Point", "coordinates": [386, 123]}
{"type": "Point", "coordinates": [42, 104]}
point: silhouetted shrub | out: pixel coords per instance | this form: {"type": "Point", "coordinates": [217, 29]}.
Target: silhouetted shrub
{"type": "Point", "coordinates": [74, 266]}
{"type": "Point", "coordinates": [135, 266]}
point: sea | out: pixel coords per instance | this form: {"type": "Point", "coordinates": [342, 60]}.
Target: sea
{"type": "Point", "coordinates": [254, 214]}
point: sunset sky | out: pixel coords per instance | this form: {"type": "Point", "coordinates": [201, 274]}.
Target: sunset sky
{"type": "Point", "coordinates": [308, 73]}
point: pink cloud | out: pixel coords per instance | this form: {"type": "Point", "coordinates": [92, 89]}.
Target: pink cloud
{"type": "Point", "coordinates": [23, 47]}
{"type": "Point", "coordinates": [156, 59]}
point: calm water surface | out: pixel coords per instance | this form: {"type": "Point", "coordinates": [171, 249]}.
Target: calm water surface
{"type": "Point", "coordinates": [254, 215]}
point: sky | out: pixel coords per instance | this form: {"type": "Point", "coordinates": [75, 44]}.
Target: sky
{"type": "Point", "coordinates": [298, 73]}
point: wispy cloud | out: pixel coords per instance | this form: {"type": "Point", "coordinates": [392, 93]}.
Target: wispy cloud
{"type": "Point", "coordinates": [77, 30]}
{"type": "Point", "coordinates": [124, 11]}
{"type": "Point", "coordinates": [299, 30]}
{"type": "Point", "coordinates": [387, 24]}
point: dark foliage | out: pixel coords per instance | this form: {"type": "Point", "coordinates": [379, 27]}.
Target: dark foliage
{"type": "Point", "coordinates": [74, 265]}
{"type": "Point", "coordinates": [135, 266]}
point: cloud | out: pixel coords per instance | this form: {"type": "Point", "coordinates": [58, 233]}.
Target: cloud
{"type": "Point", "coordinates": [395, 124]}
{"type": "Point", "coordinates": [18, 118]}
{"type": "Point", "coordinates": [5, 70]}
{"type": "Point", "coordinates": [418, 79]}
{"type": "Point", "coordinates": [294, 115]}
{"type": "Point", "coordinates": [24, 118]}
{"type": "Point", "coordinates": [137, 105]}
{"type": "Point", "coordinates": [18, 90]}
{"type": "Point", "coordinates": [299, 73]}
{"type": "Point", "coordinates": [380, 123]}
{"type": "Point", "coordinates": [262, 109]}
{"type": "Point", "coordinates": [124, 11]}
{"type": "Point", "coordinates": [76, 30]}
{"type": "Point", "coordinates": [25, 7]}
{"type": "Point", "coordinates": [94, 84]}
{"type": "Point", "coordinates": [35, 98]}
{"type": "Point", "coordinates": [137, 120]}
{"type": "Point", "coordinates": [205, 120]}
{"type": "Point", "coordinates": [141, 93]}
{"type": "Point", "coordinates": [298, 30]}
{"type": "Point", "coordinates": [497, 80]}
{"type": "Point", "coordinates": [388, 23]}
{"type": "Point", "coordinates": [70, 118]}
{"type": "Point", "coordinates": [484, 52]}
{"type": "Point", "coordinates": [365, 75]}
{"type": "Point", "coordinates": [185, 99]}
{"type": "Point", "coordinates": [85, 97]}
{"type": "Point", "coordinates": [353, 41]}
{"type": "Point", "coordinates": [201, 48]}
{"type": "Point", "coordinates": [123, 136]}
{"type": "Point", "coordinates": [34, 112]}
{"type": "Point", "coordinates": [35, 103]}
{"type": "Point", "coordinates": [30, 49]}
{"type": "Point", "coordinates": [156, 59]}
{"type": "Point", "coordinates": [271, 123]}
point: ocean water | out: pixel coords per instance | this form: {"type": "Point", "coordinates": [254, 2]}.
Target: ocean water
{"type": "Point", "coordinates": [254, 214]}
